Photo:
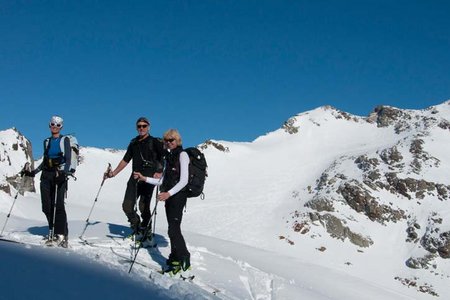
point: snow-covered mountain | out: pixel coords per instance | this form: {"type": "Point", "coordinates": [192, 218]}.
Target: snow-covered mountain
{"type": "Point", "coordinates": [329, 206]}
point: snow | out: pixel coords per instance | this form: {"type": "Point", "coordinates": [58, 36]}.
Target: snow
{"type": "Point", "coordinates": [234, 234]}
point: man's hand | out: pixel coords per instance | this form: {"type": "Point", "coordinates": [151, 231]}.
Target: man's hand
{"type": "Point", "coordinates": [27, 173]}
{"type": "Point", "coordinates": [108, 174]}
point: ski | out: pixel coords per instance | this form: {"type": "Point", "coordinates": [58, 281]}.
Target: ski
{"type": "Point", "coordinates": [100, 244]}
{"type": "Point", "coordinates": [180, 276]}
{"type": "Point", "coordinates": [183, 276]}
{"type": "Point", "coordinates": [187, 278]}
{"type": "Point", "coordinates": [84, 241]}
{"type": "Point", "coordinates": [2, 239]}
{"type": "Point", "coordinates": [30, 243]}
{"type": "Point", "coordinates": [126, 259]}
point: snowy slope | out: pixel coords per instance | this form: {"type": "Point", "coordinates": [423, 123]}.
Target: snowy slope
{"type": "Point", "coordinates": [281, 218]}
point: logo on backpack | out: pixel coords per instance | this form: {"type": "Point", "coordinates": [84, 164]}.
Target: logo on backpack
{"type": "Point", "coordinates": [197, 172]}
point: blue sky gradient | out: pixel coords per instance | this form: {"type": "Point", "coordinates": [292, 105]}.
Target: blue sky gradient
{"type": "Point", "coordinates": [226, 70]}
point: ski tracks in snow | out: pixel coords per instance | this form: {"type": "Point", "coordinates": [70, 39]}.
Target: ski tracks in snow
{"type": "Point", "coordinates": [216, 276]}
{"type": "Point", "coordinates": [246, 281]}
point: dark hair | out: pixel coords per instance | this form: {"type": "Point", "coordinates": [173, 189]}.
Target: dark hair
{"type": "Point", "coordinates": [143, 119]}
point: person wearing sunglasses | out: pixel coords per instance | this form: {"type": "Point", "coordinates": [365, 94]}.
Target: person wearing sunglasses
{"type": "Point", "coordinates": [55, 168]}
{"type": "Point", "coordinates": [173, 193]}
{"type": "Point", "coordinates": [146, 152]}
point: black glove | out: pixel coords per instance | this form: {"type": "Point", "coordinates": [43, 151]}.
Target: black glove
{"type": "Point", "coordinates": [27, 173]}
{"type": "Point", "coordinates": [61, 177]}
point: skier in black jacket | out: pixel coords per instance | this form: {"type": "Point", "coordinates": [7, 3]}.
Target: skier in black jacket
{"type": "Point", "coordinates": [174, 194]}
{"type": "Point", "coordinates": [147, 154]}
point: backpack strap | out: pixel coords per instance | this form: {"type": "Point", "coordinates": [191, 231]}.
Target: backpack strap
{"type": "Point", "coordinates": [46, 146]}
{"type": "Point", "coordinates": [66, 152]}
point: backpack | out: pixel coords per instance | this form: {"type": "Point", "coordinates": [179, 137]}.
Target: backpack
{"type": "Point", "coordinates": [74, 148]}
{"type": "Point", "coordinates": [197, 172]}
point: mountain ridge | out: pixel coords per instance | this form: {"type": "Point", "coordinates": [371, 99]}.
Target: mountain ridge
{"type": "Point", "coordinates": [323, 185]}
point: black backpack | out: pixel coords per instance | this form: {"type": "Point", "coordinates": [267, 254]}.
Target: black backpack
{"type": "Point", "coordinates": [197, 172]}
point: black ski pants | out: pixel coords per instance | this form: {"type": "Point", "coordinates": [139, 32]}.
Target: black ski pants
{"type": "Point", "coordinates": [53, 188]}
{"type": "Point", "coordinates": [143, 191]}
{"type": "Point", "coordinates": [174, 213]}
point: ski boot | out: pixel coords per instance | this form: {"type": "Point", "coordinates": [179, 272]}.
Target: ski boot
{"type": "Point", "coordinates": [173, 269]}
{"type": "Point", "coordinates": [185, 263]}
{"type": "Point", "coordinates": [50, 242]}
{"type": "Point", "coordinates": [63, 241]}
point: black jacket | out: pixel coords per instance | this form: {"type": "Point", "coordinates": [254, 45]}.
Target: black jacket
{"type": "Point", "coordinates": [147, 155]}
{"type": "Point", "coordinates": [172, 171]}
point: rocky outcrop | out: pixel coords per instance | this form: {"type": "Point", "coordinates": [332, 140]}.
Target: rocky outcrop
{"type": "Point", "coordinates": [424, 262]}
{"type": "Point", "coordinates": [434, 240]}
{"type": "Point", "coordinates": [444, 250]}
{"type": "Point", "coordinates": [218, 146]}
{"type": "Point", "coordinates": [358, 198]}
{"type": "Point", "coordinates": [392, 157]}
{"type": "Point", "coordinates": [15, 151]}
{"type": "Point", "coordinates": [417, 188]}
{"type": "Point", "coordinates": [289, 126]}
{"type": "Point", "coordinates": [336, 228]}
{"type": "Point", "coordinates": [390, 116]}
{"type": "Point", "coordinates": [321, 204]}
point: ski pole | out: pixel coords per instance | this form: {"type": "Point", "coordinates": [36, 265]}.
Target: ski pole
{"type": "Point", "coordinates": [154, 213]}
{"type": "Point", "coordinates": [22, 180]}
{"type": "Point", "coordinates": [145, 234]}
{"type": "Point", "coordinates": [156, 204]}
{"type": "Point", "coordinates": [136, 204]}
{"type": "Point", "coordinates": [95, 201]}
{"type": "Point", "coordinates": [51, 232]}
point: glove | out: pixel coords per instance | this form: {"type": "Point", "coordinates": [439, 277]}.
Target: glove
{"type": "Point", "coordinates": [27, 173]}
{"type": "Point", "coordinates": [61, 177]}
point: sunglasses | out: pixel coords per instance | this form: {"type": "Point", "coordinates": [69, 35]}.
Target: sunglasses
{"type": "Point", "coordinates": [55, 125]}
{"type": "Point", "coordinates": [169, 140]}
{"type": "Point", "coordinates": [142, 126]}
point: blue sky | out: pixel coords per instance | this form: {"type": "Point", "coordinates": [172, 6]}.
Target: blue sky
{"type": "Point", "coordinates": [226, 70]}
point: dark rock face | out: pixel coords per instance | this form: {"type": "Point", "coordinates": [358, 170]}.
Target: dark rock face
{"type": "Point", "coordinates": [336, 228]}
{"type": "Point", "coordinates": [320, 204]}
{"type": "Point", "coordinates": [6, 188]}
{"type": "Point", "coordinates": [389, 116]}
{"type": "Point", "coordinates": [420, 262]}
{"type": "Point", "coordinates": [434, 240]}
{"type": "Point", "coordinates": [387, 185]}
{"type": "Point", "coordinates": [361, 201]}
{"type": "Point", "coordinates": [444, 125]}
{"type": "Point", "coordinates": [23, 184]}
{"type": "Point", "coordinates": [391, 156]}
{"type": "Point", "coordinates": [216, 145]}
{"type": "Point", "coordinates": [444, 251]}
{"type": "Point", "coordinates": [18, 147]}
{"type": "Point", "coordinates": [417, 188]}
{"type": "Point", "coordinates": [289, 126]}
{"type": "Point", "coordinates": [365, 163]}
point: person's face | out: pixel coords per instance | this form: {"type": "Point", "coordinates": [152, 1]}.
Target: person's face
{"type": "Point", "coordinates": [55, 127]}
{"type": "Point", "coordinates": [142, 128]}
{"type": "Point", "coordinates": [170, 142]}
